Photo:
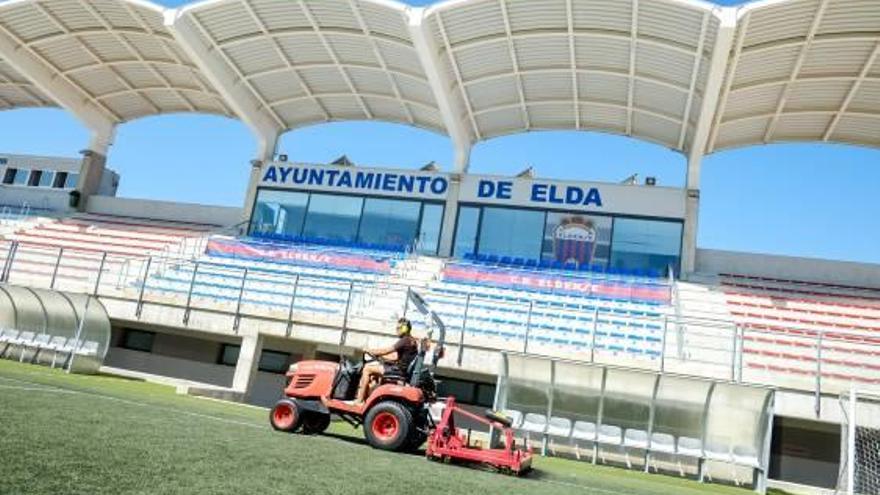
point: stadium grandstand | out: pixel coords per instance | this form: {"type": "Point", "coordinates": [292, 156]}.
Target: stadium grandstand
{"type": "Point", "coordinates": [533, 277]}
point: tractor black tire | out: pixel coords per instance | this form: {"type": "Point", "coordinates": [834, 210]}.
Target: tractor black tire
{"type": "Point", "coordinates": [314, 423]}
{"type": "Point", "coordinates": [285, 416]}
{"type": "Point", "coordinates": [416, 439]}
{"type": "Point", "coordinates": [388, 426]}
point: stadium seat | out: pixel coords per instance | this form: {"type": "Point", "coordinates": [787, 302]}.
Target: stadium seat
{"type": "Point", "coordinates": [609, 435]}
{"type": "Point", "coordinates": [634, 439]}
{"type": "Point", "coordinates": [41, 342]}
{"type": "Point", "coordinates": [22, 341]}
{"type": "Point", "coordinates": [583, 431]}
{"type": "Point", "coordinates": [534, 423]}
{"type": "Point", "coordinates": [661, 443]}
{"type": "Point", "coordinates": [515, 417]}
{"type": "Point", "coordinates": [558, 428]}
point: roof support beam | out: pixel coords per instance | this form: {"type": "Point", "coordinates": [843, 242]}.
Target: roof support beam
{"type": "Point", "coordinates": [572, 60]}
{"type": "Point", "coordinates": [852, 92]}
{"type": "Point", "coordinates": [805, 47]}
{"type": "Point", "coordinates": [47, 79]}
{"type": "Point", "coordinates": [212, 64]}
{"type": "Point", "coordinates": [731, 75]}
{"type": "Point", "coordinates": [441, 86]}
{"type": "Point", "coordinates": [695, 73]}
{"type": "Point", "coordinates": [711, 93]}
{"type": "Point", "coordinates": [633, 46]}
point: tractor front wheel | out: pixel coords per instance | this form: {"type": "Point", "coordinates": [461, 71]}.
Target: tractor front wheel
{"type": "Point", "coordinates": [388, 426]}
{"type": "Point", "coordinates": [285, 416]}
{"type": "Point", "coordinates": [314, 423]}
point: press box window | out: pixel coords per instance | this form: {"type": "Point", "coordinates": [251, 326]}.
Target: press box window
{"type": "Point", "coordinates": [60, 180]}
{"type": "Point", "coordinates": [34, 179]}
{"type": "Point", "coordinates": [46, 178]}
{"type": "Point", "coordinates": [16, 176]}
{"type": "Point", "coordinates": [138, 340]}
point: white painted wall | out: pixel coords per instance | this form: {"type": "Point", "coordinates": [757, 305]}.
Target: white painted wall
{"type": "Point", "coordinates": [165, 210]}
{"type": "Point", "coordinates": [712, 261]}
{"type": "Point", "coordinates": [35, 197]}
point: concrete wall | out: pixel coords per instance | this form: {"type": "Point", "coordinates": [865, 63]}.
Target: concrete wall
{"type": "Point", "coordinates": [167, 366]}
{"type": "Point", "coordinates": [165, 210]}
{"type": "Point", "coordinates": [788, 267]}
{"type": "Point", "coordinates": [35, 197]}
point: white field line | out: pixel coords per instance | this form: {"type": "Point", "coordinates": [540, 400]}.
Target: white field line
{"type": "Point", "coordinates": [31, 386]}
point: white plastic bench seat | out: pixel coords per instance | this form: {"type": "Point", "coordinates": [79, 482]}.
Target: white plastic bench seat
{"type": "Point", "coordinates": [689, 447]}
{"type": "Point", "coordinates": [662, 442]}
{"type": "Point", "coordinates": [746, 456]}
{"type": "Point", "coordinates": [559, 427]}
{"type": "Point", "coordinates": [514, 416]}
{"type": "Point", "coordinates": [534, 423]}
{"type": "Point", "coordinates": [635, 438]}
{"type": "Point", "coordinates": [716, 451]}
{"type": "Point", "coordinates": [584, 430]}
{"type": "Point", "coordinates": [609, 435]}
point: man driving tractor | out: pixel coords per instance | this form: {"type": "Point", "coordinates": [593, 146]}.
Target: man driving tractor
{"type": "Point", "coordinates": [397, 359]}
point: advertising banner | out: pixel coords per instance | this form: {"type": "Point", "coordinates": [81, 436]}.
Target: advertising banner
{"type": "Point", "coordinates": [297, 255]}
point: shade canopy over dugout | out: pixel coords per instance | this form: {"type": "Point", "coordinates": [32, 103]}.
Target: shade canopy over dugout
{"type": "Point", "coordinates": [715, 423]}
{"type": "Point", "coordinates": [44, 326]}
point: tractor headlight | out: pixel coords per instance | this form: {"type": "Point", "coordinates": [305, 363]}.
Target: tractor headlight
{"type": "Point", "coordinates": [292, 368]}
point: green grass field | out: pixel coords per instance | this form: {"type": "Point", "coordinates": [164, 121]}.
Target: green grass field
{"type": "Point", "coordinates": [95, 434]}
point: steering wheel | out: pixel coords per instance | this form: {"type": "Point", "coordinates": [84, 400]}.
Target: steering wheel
{"type": "Point", "coordinates": [372, 358]}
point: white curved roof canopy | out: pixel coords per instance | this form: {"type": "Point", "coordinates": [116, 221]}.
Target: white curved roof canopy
{"type": "Point", "coordinates": [304, 62]}
{"type": "Point", "coordinates": [114, 56]}
{"type": "Point", "coordinates": [690, 75]}
{"type": "Point", "coordinates": [802, 70]}
{"type": "Point", "coordinates": [634, 67]}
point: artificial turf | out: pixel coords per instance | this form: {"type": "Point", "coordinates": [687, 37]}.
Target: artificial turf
{"type": "Point", "coordinates": [76, 434]}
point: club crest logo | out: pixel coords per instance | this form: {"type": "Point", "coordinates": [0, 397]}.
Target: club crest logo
{"type": "Point", "coordinates": [574, 240]}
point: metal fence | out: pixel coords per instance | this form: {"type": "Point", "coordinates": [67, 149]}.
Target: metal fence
{"type": "Point", "coordinates": [820, 362]}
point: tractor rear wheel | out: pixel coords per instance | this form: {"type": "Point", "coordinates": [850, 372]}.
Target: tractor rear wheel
{"type": "Point", "coordinates": [285, 416]}
{"type": "Point", "coordinates": [314, 423]}
{"type": "Point", "coordinates": [388, 426]}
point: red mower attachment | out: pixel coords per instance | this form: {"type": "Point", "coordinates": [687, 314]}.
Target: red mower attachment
{"type": "Point", "coordinates": [446, 443]}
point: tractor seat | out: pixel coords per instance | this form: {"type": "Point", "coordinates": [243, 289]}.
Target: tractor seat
{"type": "Point", "coordinates": [397, 377]}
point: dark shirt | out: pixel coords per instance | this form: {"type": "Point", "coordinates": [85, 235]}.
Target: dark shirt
{"type": "Point", "coordinates": [406, 347]}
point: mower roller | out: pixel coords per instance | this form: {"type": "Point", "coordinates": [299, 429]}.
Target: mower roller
{"type": "Point", "coordinates": [448, 443]}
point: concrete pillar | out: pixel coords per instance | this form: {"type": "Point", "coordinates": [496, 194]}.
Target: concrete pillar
{"type": "Point", "coordinates": [450, 212]}
{"type": "Point", "coordinates": [689, 239]}
{"type": "Point", "coordinates": [248, 362]}
{"type": "Point", "coordinates": [92, 167]}
{"type": "Point", "coordinates": [265, 155]}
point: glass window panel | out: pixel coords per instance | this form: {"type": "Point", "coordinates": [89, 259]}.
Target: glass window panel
{"type": "Point", "coordinates": [466, 231]}
{"type": "Point", "coordinates": [138, 340]}
{"type": "Point", "coordinates": [21, 177]}
{"type": "Point", "coordinates": [274, 362]}
{"type": "Point", "coordinates": [333, 217]}
{"type": "Point", "coordinates": [511, 232]}
{"type": "Point", "coordinates": [429, 233]}
{"type": "Point", "coordinates": [229, 354]}
{"type": "Point", "coordinates": [580, 238]}
{"type": "Point", "coordinates": [72, 179]}
{"type": "Point", "coordinates": [389, 221]}
{"type": "Point", "coordinates": [34, 179]}
{"type": "Point", "coordinates": [645, 244]}
{"type": "Point", "coordinates": [628, 396]}
{"type": "Point", "coordinates": [60, 179]}
{"type": "Point", "coordinates": [279, 212]}
{"type": "Point", "coordinates": [46, 178]}
{"type": "Point", "coordinates": [527, 388]}
{"type": "Point", "coordinates": [577, 392]}
{"type": "Point", "coordinates": [737, 419]}
{"type": "Point", "coordinates": [9, 175]}
{"type": "Point", "coordinates": [678, 410]}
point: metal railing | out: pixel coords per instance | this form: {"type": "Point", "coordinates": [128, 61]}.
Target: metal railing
{"type": "Point", "coordinates": [598, 331]}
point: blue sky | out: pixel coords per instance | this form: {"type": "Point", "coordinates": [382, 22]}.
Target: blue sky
{"type": "Point", "coordinates": [796, 199]}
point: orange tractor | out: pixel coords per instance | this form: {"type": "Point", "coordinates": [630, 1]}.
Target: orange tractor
{"type": "Point", "coordinates": [395, 415]}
